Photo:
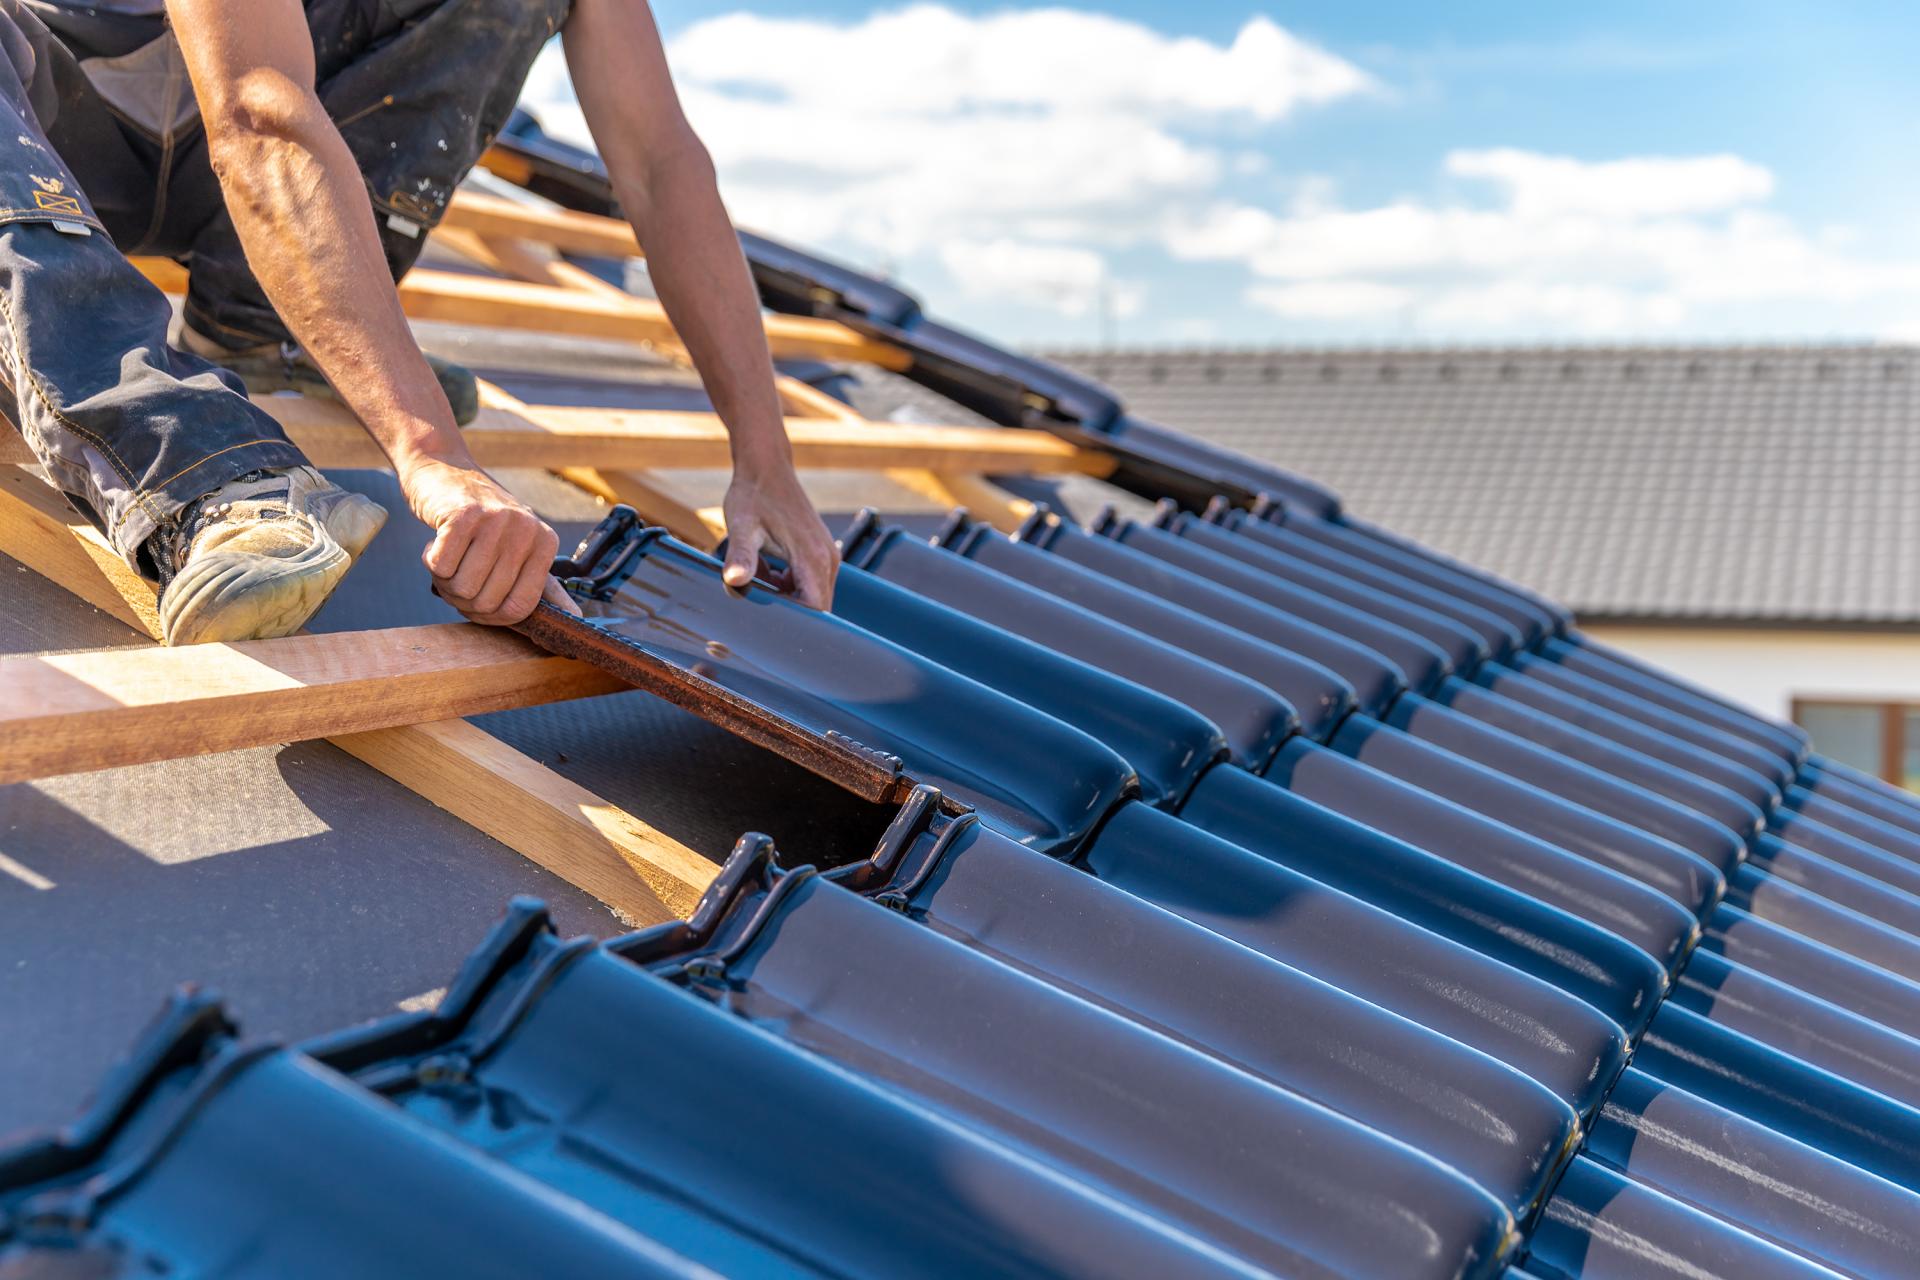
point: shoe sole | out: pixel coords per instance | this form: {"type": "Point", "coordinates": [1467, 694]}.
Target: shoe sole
{"type": "Point", "coordinates": [240, 596]}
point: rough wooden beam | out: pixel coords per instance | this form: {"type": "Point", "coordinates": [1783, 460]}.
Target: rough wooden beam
{"type": "Point", "coordinates": [957, 484]}
{"type": "Point", "coordinates": [653, 496]}
{"type": "Point", "coordinates": [550, 437]}
{"type": "Point", "coordinates": [427, 294]}
{"type": "Point", "coordinates": [486, 239]}
{"type": "Point", "coordinates": [515, 259]}
{"type": "Point", "coordinates": [696, 441]}
{"type": "Point", "coordinates": [41, 531]}
{"type": "Point", "coordinates": [479, 300]}
{"type": "Point", "coordinates": [951, 486]}
{"type": "Point", "coordinates": [645, 876]}
{"type": "Point", "coordinates": [985, 501]}
{"type": "Point", "coordinates": [529, 262]}
{"type": "Point", "coordinates": [658, 500]}
{"type": "Point", "coordinates": [166, 274]}
{"type": "Point", "coordinates": [564, 229]}
{"type": "Point", "coordinates": [76, 712]}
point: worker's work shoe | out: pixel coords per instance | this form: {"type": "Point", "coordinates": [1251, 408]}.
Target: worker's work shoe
{"type": "Point", "coordinates": [284, 366]}
{"type": "Point", "coordinates": [258, 556]}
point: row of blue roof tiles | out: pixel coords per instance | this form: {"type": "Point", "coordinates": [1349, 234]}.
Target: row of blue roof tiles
{"type": "Point", "coordinates": [1269, 896]}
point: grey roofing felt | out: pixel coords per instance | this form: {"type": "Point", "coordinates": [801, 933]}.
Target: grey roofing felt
{"type": "Point", "coordinates": [1762, 484]}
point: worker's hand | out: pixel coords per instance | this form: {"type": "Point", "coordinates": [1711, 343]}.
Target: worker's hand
{"type": "Point", "coordinates": [768, 511]}
{"type": "Point", "coordinates": [490, 556]}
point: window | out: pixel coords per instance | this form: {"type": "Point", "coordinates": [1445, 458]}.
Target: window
{"type": "Point", "coordinates": [1880, 738]}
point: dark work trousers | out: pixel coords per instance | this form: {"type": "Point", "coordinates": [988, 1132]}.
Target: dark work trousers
{"type": "Point", "coordinates": [102, 154]}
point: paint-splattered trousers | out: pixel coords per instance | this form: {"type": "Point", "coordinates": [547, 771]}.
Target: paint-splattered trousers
{"type": "Point", "coordinates": [102, 154]}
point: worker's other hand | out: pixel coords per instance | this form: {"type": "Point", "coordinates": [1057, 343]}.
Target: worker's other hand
{"type": "Point", "coordinates": [491, 556]}
{"type": "Point", "coordinates": [769, 513]}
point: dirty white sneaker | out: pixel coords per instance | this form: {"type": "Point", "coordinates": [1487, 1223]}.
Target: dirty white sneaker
{"type": "Point", "coordinates": [258, 556]}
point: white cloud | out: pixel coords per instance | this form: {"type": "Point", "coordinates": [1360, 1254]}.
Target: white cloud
{"type": "Point", "coordinates": [933, 61]}
{"type": "Point", "coordinates": [919, 127]}
{"type": "Point", "coordinates": [1330, 299]}
{"type": "Point", "coordinates": [1539, 185]}
{"type": "Point", "coordinates": [1057, 278]}
{"type": "Point", "coordinates": [1018, 151]}
{"type": "Point", "coordinates": [1562, 246]}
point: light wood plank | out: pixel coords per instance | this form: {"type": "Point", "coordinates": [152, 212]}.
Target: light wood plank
{"type": "Point", "coordinates": [551, 437]}
{"type": "Point", "coordinates": [515, 259]}
{"type": "Point", "coordinates": [41, 531]}
{"type": "Point", "coordinates": [696, 441]}
{"type": "Point", "coordinates": [76, 712]}
{"type": "Point", "coordinates": [427, 294]}
{"type": "Point", "coordinates": [564, 229]}
{"type": "Point", "coordinates": [952, 484]}
{"type": "Point", "coordinates": [656, 498]}
{"type": "Point", "coordinates": [462, 299]}
{"type": "Point", "coordinates": [644, 875]}
{"type": "Point", "coordinates": [525, 260]}
{"type": "Point", "coordinates": [164, 273]}
{"type": "Point", "coordinates": [984, 500]}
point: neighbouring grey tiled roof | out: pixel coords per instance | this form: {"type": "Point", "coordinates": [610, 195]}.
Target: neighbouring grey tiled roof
{"type": "Point", "coordinates": [1777, 484]}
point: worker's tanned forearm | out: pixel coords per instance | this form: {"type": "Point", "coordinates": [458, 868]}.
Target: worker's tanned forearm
{"type": "Point", "coordinates": [665, 183]}
{"type": "Point", "coordinates": [301, 209]}
{"type": "Point", "coordinates": [298, 202]}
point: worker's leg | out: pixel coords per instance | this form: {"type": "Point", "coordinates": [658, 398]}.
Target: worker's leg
{"type": "Point", "coordinates": [418, 92]}
{"type": "Point", "coordinates": [129, 429]}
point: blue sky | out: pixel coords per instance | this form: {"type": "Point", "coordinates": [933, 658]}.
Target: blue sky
{"type": "Point", "coordinates": [1208, 173]}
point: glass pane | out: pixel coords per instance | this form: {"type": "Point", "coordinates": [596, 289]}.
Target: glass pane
{"type": "Point", "coordinates": [1850, 732]}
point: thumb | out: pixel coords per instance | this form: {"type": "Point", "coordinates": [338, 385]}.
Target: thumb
{"type": "Point", "coordinates": [556, 595]}
{"type": "Point", "coordinates": [743, 557]}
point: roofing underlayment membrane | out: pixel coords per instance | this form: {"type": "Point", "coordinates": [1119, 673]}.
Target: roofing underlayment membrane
{"type": "Point", "coordinates": [1258, 894]}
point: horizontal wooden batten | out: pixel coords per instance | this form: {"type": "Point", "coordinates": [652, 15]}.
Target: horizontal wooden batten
{"type": "Point", "coordinates": [74, 712]}
{"type": "Point", "coordinates": [465, 299]}
{"type": "Point", "coordinates": [454, 298]}
{"type": "Point", "coordinates": [646, 876]}
{"type": "Point", "coordinates": [553, 438]}
{"type": "Point", "coordinates": [688, 440]}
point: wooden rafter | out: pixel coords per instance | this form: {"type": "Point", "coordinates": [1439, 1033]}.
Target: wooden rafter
{"type": "Point", "coordinates": [653, 495]}
{"type": "Point", "coordinates": [498, 218]}
{"type": "Point", "coordinates": [643, 874]}
{"type": "Point", "coordinates": [550, 438]}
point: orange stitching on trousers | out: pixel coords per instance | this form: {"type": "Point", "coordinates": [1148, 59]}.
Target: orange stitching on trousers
{"type": "Point", "coordinates": [244, 444]}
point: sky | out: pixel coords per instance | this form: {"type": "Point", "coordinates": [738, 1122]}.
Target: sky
{"type": "Point", "coordinates": [1150, 173]}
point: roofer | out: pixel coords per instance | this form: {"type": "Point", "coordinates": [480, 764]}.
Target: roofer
{"type": "Point", "coordinates": [293, 156]}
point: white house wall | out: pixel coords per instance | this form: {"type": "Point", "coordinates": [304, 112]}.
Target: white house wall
{"type": "Point", "coordinates": [1767, 670]}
